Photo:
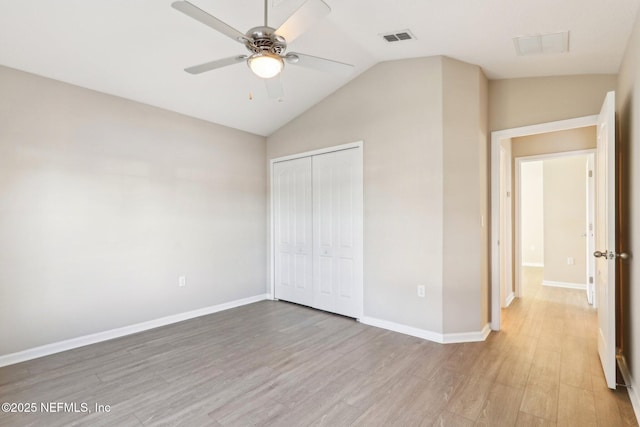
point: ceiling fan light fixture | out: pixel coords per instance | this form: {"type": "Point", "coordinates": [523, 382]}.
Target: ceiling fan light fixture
{"type": "Point", "coordinates": [265, 64]}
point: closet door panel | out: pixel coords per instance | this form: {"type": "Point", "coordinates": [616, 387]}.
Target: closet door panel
{"type": "Point", "coordinates": [337, 197]}
{"type": "Point", "coordinates": [293, 230]}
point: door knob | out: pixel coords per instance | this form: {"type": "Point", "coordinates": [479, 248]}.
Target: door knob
{"type": "Point", "coordinates": [610, 255]}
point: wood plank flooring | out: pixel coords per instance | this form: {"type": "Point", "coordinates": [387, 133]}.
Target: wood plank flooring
{"type": "Point", "coordinates": [279, 364]}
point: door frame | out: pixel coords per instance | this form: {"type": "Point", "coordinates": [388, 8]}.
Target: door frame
{"type": "Point", "coordinates": [359, 216]}
{"type": "Point", "coordinates": [591, 227]}
{"type": "Point", "coordinates": [590, 206]}
{"type": "Point", "coordinates": [506, 224]}
{"type": "Point", "coordinates": [497, 137]}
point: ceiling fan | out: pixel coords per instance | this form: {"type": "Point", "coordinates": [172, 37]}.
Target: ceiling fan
{"type": "Point", "coordinates": [266, 45]}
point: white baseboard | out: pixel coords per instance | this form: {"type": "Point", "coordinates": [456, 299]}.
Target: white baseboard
{"type": "Point", "coordinates": [468, 336]}
{"type": "Point", "coordinates": [532, 264]}
{"type": "Point", "coordinates": [631, 385]}
{"type": "Point", "coordinates": [428, 335]}
{"type": "Point", "coordinates": [567, 285]}
{"type": "Point", "coordinates": [509, 299]}
{"type": "Point", "coordinates": [57, 347]}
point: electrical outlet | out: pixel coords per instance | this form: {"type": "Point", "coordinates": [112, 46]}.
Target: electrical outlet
{"type": "Point", "coordinates": [182, 281]}
{"type": "Point", "coordinates": [421, 291]}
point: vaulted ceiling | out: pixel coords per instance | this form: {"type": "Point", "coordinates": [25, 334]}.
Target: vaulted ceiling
{"type": "Point", "coordinates": [137, 49]}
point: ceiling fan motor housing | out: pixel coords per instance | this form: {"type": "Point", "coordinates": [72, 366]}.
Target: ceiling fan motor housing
{"type": "Point", "coordinates": [264, 39]}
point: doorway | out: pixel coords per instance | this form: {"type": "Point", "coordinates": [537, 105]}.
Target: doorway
{"type": "Point", "coordinates": [505, 255]}
{"type": "Point", "coordinates": [604, 227]}
{"type": "Point", "coordinates": [554, 219]}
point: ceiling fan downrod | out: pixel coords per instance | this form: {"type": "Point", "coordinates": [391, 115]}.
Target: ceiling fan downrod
{"type": "Point", "coordinates": [266, 13]}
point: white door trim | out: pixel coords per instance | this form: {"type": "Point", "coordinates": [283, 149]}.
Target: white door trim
{"type": "Point", "coordinates": [360, 222]}
{"type": "Point", "coordinates": [496, 138]}
{"type": "Point", "coordinates": [357, 144]}
{"type": "Point", "coordinates": [506, 234]}
{"type": "Point", "coordinates": [591, 223]}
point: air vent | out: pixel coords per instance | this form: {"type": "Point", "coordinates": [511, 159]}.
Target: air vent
{"type": "Point", "coordinates": [537, 44]}
{"type": "Point", "coordinates": [398, 36]}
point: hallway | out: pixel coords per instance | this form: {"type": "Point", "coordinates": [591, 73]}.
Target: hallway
{"type": "Point", "coordinates": [554, 357]}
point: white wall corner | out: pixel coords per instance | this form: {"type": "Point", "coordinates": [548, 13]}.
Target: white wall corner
{"type": "Point", "coordinates": [70, 344]}
{"type": "Point", "coordinates": [632, 388]}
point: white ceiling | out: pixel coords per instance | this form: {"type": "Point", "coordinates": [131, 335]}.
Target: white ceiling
{"type": "Point", "coordinates": [137, 49]}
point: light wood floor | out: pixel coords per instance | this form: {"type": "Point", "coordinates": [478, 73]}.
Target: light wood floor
{"type": "Point", "coordinates": [274, 363]}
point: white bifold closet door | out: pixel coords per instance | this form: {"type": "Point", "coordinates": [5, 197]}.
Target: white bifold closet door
{"type": "Point", "coordinates": [318, 206]}
{"type": "Point", "coordinates": [293, 230]}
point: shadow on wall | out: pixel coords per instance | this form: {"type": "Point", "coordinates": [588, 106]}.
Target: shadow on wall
{"type": "Point", "coordinates": [623, 160]}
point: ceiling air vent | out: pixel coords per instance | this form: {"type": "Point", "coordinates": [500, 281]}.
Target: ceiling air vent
{"type": "Point", "coordinates": [398, 36]}
{"type": "Point", "coordinates": [537, 44]}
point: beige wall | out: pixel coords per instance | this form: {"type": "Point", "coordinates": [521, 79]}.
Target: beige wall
{"type": "Point", "coordinates": [553, 217]}
{"type": "Point", "coordinates": [104, 202]}
{"type": "Point", "coordinates": [555, 142]}
{"type": "Point", "coordinates": [404, 111]}
{"type": "Point", "coordinates": [628, 117]}
{"type": "Point", "coordinates": [527, 101]}
{"type": "Point", "coordinates": [548, 143]}
{"type": "Point", "coordinates": [532, 214]}
{"type": "Point", "coordinates": [465, 256]}
{"type": "Point", "coordinates": [565, 207]}
{"type": "Point", "coordinates": [396, 109]}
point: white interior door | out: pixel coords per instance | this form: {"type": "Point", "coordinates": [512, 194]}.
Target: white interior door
{"type": "Point", "coordinates": [337, 232]}
{"type": "Point", "coordinates": [292, 192]}
{"type": "Point", "coordinates": [606, 239]}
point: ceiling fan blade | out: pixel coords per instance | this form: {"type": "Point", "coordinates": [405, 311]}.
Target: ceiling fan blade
{"type": "Point", "coordinates": [200, 15]}
{"type": "Point", "coordinates": [218, 63]}
{"type": "Point", "coordinates": [316, 63]}
{"type": "Point", "coordinates": [302, 19]}
{"type": "Point", "coordinates": [274, 86]}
